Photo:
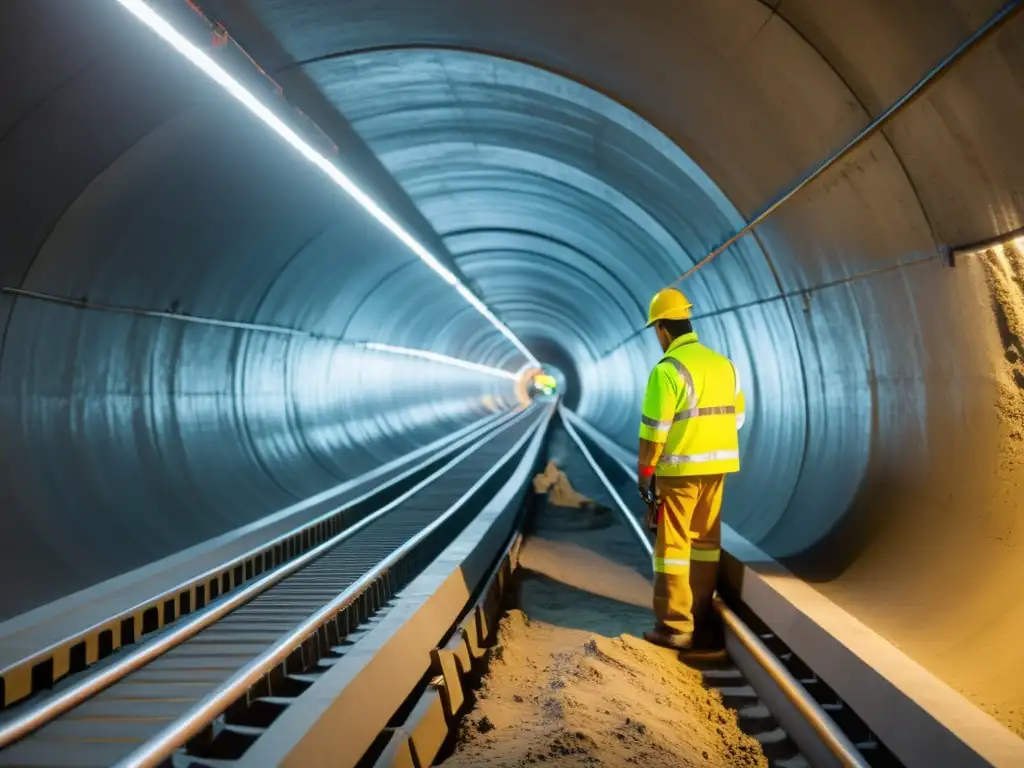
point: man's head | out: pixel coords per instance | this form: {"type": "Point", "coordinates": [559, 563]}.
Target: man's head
{"type": "Point", "coordinates": [670, 330]}
{"type": "Point", "coordinates": [670, 315]}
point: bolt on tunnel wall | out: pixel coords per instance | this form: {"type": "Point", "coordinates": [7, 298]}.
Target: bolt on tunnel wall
{"type": "Point", "coordinates": [564, 164]}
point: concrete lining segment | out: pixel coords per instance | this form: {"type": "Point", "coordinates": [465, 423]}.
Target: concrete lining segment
{"type": "Point", "coordinates": [65, 619]}
{"type": "Point", "coordinates": [336, 721]}
{"type": "Point", "coordinates": [923, 721]}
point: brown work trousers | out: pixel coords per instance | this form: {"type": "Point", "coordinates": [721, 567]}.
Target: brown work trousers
{"type": "Point", "coordinates": [687, 552]}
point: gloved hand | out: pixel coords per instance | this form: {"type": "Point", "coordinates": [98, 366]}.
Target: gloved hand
{"type": "Point", "coordinates": [648, 489]}
{"type": "Point", "coordinates": [651, 518]}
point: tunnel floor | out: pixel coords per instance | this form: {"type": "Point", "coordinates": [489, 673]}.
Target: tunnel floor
{"type": "Point", "coordinates": [572, 682]}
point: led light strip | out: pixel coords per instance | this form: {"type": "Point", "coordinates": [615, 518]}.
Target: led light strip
{"type": "Point", "coordinates": [180, 43]}
{"type": "Point", "coordinates": [425, 355]}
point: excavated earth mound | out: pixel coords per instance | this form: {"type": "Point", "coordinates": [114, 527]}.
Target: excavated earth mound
{"type": "Point", "coordinates": [570, 683]}
{"type": "Point", "coordinates": [555, 696]}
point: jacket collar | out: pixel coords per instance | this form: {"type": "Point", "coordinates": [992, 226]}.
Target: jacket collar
{"type": "Point", "coordinates": [682, 341]}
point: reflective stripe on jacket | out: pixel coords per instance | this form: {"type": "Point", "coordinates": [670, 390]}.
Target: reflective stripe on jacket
{"type": "Point", "coordinates": [695, 407]}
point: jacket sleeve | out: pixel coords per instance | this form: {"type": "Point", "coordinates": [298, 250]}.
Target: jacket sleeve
{"type": "Point", "coordinates": [741, 401]}
{"type": "Point", "coordinates": [659, 404]}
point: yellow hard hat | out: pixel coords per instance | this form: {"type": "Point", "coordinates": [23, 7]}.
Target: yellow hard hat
{"type": "Point", "coordinates": [669, 304]}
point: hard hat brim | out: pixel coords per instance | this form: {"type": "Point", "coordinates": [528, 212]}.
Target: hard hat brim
{"type": "Point", "coordinates": [668, 304]}
{"type": "Point", "coordinates": [686, 316]}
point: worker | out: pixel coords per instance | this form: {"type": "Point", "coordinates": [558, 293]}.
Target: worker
{"type": "Point", "coordinates": [692, 412]}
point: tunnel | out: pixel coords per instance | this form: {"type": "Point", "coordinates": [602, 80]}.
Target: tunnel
{"type": "Point", "coordinates": [199, 327]}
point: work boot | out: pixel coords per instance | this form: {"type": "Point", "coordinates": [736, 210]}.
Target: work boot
{"type": "Point", "coordinates": [677, 641]}
{"type": "Point", "coordinates": [707, 638]}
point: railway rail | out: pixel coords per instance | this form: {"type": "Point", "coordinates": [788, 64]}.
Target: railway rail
{"type": "Point", "coordinates": [357, 649]}
{"type": "Point", "coordinates": [827, 741]}
{"type": "Point", "coordinates": [256, 648]}
{"type": "Point", "coordinates": [837, 689]}
{"type": "Point", "coordinates": [752, 675]}
{"type": "Point", "coordinates": [75, 633]}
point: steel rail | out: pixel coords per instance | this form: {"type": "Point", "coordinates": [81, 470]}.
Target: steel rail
{"type": "Point", "coordinates": [986, 30]}
{"type": "Point", "coordinates": [291, 741]}
{"type": "Point", "coordinates": [630, 518]}
{"type": "Point", "coordinates": [45, 711]}
{"type": "Point", "coordinates": [155, 751]}
{"type": "Point", "coordinates": [469, 433]}
{"type": "Point", "coordinates": [824, 726]}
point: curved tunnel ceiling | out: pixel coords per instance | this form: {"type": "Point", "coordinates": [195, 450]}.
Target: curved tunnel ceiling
{"type": "Point", "coordinates": [568, 159]}
{"type": "Point", "coordinates": [505, 149]}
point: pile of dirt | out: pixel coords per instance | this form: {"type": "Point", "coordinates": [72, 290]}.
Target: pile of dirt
{"type": "Point", "coordinates": [571, 683]}
{"type": "Point", "coordinates": [553, 483]}
{"type": "Point", "coordinates": [998, 689]}
{"type": "Point", "coordinates": [1004, 273]}
{"type": "Point", "coordinates": [554, 695]}
{"type": "Point", "coordinates": [559, 694]}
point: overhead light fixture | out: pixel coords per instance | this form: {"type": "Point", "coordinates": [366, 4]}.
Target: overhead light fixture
{"type": "Point", "coordinates": [180, 43]}
{"type": "Point", "coordinates": [438, 358]}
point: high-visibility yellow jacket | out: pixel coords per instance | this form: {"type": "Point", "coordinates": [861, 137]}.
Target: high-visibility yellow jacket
{"type": "Point", "coordinates": [693, 410]}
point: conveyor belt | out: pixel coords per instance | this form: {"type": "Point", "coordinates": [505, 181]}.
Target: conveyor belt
{"type": "Point", "coordinates": [108, 727]}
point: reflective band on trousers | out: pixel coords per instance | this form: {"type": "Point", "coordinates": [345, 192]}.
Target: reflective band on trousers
{"type": "Point", "coordinates": [706, 555]}
{"type": "Point", "coordinates": [671, 565]}
{"type": "Point", "coordinates": [699, 458]}
{"type": "Point", "coordinates": [659, 425]}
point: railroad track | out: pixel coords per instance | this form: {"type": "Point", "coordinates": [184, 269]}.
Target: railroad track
{"type": "Point", "coordinates": [359, 651]}
{"type": "Point", "coordinates": [216, 679]}
{"type": "Point", "coordinates": [815, 715]}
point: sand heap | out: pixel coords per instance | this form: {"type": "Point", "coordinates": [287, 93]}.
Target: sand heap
{"type": "Point", "coordinates": [560, 493]}
{"type": "Point", "coordinates": [999, 690]}
{"type": "Point", "coordinates": [1004, 272]}
{"type": "Point", "coordinates": [560, 696]}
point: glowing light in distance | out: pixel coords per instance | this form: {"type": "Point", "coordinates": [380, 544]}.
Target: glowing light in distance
{"type": "Point", "coordinates": [438, 358]}
{"type": "Point", "coordinates": [180, 43]}
{"type": "Point", "coordinates": [545, 382]}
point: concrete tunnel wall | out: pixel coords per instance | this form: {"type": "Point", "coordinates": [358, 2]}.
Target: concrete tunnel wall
{"type": "Point", "coordinates": [568, 160]}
